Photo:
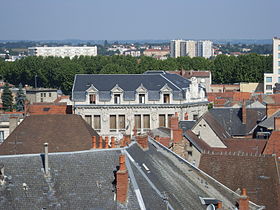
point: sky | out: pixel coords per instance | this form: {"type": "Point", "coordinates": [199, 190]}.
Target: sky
{"type": "Point", "coordinates": [138, 19]}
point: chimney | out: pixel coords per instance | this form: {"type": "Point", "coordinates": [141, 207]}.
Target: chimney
{"type": "Point", "coordinates": [93, 142]}
{"type": "Point", "coordinates": [276, 123]}
{"type": "Point", "coordinates": [174, 121]}
{"type": "Point", "coordinates": [122, 181]}
{"type": "Point", "coordinates": [113, 142]}
{"type": "Point", "coordinates": [143, 142]}
{"type": "Point", "coordinates": [2, 175]}
{"type": "Point", "coordinates": [220, 205]}
{"type": "Point", "coordinates": [46, 159]}
{"type": "Point", "coordinates": [13, 123]}
{"type": "Point", "coordinates": [186, 116]}
{"type": "Point", "coordinates": [176, 132]}
{"type": "Point", "coordinates": [244, 113]}
{"type": "Point", "coordinates": [100, 143]}
{"type": "Point", "coordinates": [106, 142]}
{"type": "Point", "coordinates": [244, 200]}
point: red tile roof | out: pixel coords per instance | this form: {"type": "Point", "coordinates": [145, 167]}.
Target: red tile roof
{"type": "Point", "coordinates": [273, 144]}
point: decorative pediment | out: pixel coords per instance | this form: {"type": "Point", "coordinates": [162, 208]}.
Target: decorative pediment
{"type": "Point", "coordinates": [166, 88]}
{"type": "Point", "coordinates": [92, 89]}
{"type": "Point", "coordinates": [117, 89]}
{"type": "Point", "coordinates": [141, 89]}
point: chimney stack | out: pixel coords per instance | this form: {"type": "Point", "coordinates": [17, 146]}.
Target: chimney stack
{"type": "Point", "coordinates": [122, 181]}
{"type": "Point", "coordinates": [220, 205]}
{"type": "Point", "coordinates": [2, 175]}
{"type": "Point", "coordinates": [46, 146]}
{"type": "Point", "coordinates": [143, 141]}
{"type": "Point", "coordinates": [244, 113]}
{"type": "Point", "coordinates": [276, 123]}
{"type": "Point", "coordinates": [93, 142]}
{"type": "Point", "coordinates": [113, 142]}
{"type": "Point", "coordinates": [176, 132]}
{"type": "Point", "coordinates": [100, 143]}
{"type": "Point", "coordinates": [244, 200]}
{"type": "Point", "coordinates": [106, 142]}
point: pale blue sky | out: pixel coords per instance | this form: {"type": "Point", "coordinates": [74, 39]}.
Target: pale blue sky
{"type": "Point", "coordinates": [138, 19]}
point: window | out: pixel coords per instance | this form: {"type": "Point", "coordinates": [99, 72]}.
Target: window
{"type": "Point", "coordinates": [189, 153]}
{"type": "Point", "coordinates": [137, 119]}
{"type": "Point", "coordinates": [117, 98]}
{"type": "Point", "coordinates": [42, 99]}
{"type": "Point", "coordinates": [279, 55]}
{"type": "Point", "coordinates": [278, 47]}
{"type": "Point", "coordinates": [113, 122]}
{"type": "Point", "coordinates": [268, 87]}
{"type": "Point", "coordinates": [278, 63]}
{"type": "Point", "coordinates": [45, 95]}
{"type": "Point", "coordinates": [166, 98]}
{"type": "Point", "coordinates": [278, 71]}
{"type": "Point", "coordinates": [162, 120]}
{"type": "Point", "coordinates": [278, 79]}
{"type": "Point", "coordinates": [141, 98]}
{"type": "Point", "coordinates": [169, 120]}
{"type": "Point", "coordinates": [50, 94]}
{"type": "Point", "coordinates": [88, 119]}
{"type": "Point", "coordinates": [146, 118]}
{"type": "Point", "coordinates": [122, 122]}
{"type": "Point", "coordinates": [268, 79]}
{"type": "Point", "coordinates": [97, 122]}
{"type": "Point", "coordinates": [195, 117]}
{"type": "Point", "coordinates": [42, 94]}
{"type": "Point", "coordinates": [92, 98]}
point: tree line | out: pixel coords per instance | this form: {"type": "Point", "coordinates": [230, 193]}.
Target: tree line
{"type": "Point", "coordinates": [57, 72]}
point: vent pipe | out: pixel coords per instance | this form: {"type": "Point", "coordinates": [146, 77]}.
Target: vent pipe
{"type": "Point", "coordinates": [47, 173]}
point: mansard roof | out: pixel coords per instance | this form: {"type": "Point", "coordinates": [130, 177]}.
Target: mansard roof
{"type": "Point", "coordinates": [129, 82]}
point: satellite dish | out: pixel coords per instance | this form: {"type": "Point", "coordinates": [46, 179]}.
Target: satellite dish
{"type": "Point", "coordinates": [210, 207]}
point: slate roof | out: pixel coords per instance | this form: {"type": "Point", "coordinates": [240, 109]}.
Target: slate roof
{"type": "Point", "coordinates": [79, 180]}
{"type": "Point", "coordinates": [258, 174]}
{"type": "Point", "coordinates": [231, 119]}
{"type": "Point", "coordinates": [6, 117]}
{"type": "Point", "coordinates": [186, 124]}
{"type": "Point", "coordinates": [64, 133]}
{"type": "Point", "coordinates": [177, 179]}
{"type": "Point", "coordinates": [269, 122]}
{"type": "Point", "coordinates": [104, 83]}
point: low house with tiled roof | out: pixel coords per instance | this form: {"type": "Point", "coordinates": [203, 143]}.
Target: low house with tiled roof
{"type": "Point", "coordinates": [142, 175]}
{"type": "Point", "coordinates": [64, 133]}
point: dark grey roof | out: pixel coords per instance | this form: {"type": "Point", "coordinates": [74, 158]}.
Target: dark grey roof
{"type": "Point", "coordinates": [129, 95]}
{"type": "Point", "coordinates": [186, 124]}
{"type": "Point", "coordinates": [6, 117]}
{"type": "Point", "coordinates": [104, 95]}
{"type": "Point", "coordinates": [153, 95]}
{"type": "Point", "coordinates": [231, 119]}
{"type": "Point", "coordinates": [129, 82]}
{"type": "Point", "coordinates": [269, 122]}
{"type": "Point", "coordinates": [176, 179]}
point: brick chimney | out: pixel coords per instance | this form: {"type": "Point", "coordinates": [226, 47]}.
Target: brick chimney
{"type": "Point", "coordinates": [176, 132]}
{"type": "Point", "coordinates": [93, 139]}
{"type": "Point", "coordinates": [143, 142]}
{"type": "Point", "coordinates": [276, 123]}
{"type": "Point", "coordinates": [244, 113]}
{"type": "Point", "coordinates": [244, 200]}
{"type": "Point", "coordinates": [106, 142]}
{"type": "Point", "coordinates": [113, 144]}
{"type": "Point", "coordinates": [219, 205]}
{"type": "Point", "coordinates": [100, 143]}
{"type": "Point", "coordinates": [122, 181]}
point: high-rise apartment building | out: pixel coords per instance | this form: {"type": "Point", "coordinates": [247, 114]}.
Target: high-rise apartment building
{"type": "Point", "coordinates": [63, 51]}
{"type": "Point", "coordinates": [191, 48]}
{"type": "Point", "coordinates": [270, 79]}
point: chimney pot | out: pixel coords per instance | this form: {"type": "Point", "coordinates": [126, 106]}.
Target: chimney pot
{"type": "Point", "coordinates": [94, 142]}
{"type": "Point", "coordinates": [113, 142]}
{"type": "Point", "coordinates": [243, 200]}
{"type": "Point", "coordinates": [106, 142]}
{"type": "Point", "coordinates": [276, 123]}
{"type": "Point", "coordinates": [46, 145]}
{"type": "Point", "coordinates": [220, 205]}
{"type": "Point", "coordinates": [100, 143]}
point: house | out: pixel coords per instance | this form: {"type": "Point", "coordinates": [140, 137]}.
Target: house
{"type": "Point", "coordinates": [142, 175]}
{"type": "Point", "coordinates": [64, 133]}
{"type": "Point", "coordinates": [48, 108]}
{"type": "Point", "coordinates": [115, 103]}
{"type": "Point", "coordinates": [35, 95]}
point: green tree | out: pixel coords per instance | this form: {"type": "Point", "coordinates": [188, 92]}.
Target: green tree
{"type": "Point", "coordinates": [7, 98]}
{"type": "Point", "coordinates": [20, 99]}
{"type": "Point", "coordinates": [112, 68]}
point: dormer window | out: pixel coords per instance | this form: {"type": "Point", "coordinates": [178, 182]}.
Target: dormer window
{"type": "Point", "coordinates": [92, 98]}
{"type": "Point", "coordinates": [141, 98]}
{"type": "Point", "coordinates": [117, 99]}
{"type": "Point", "coordinates": [166, 98]}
